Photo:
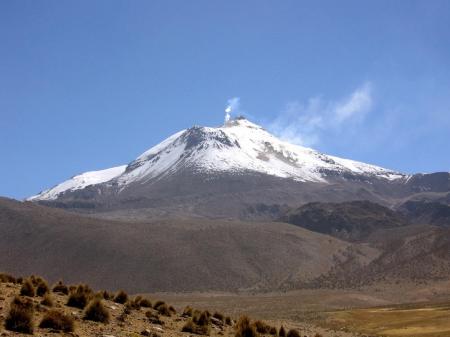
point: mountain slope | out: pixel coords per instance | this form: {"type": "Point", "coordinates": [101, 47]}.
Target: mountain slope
{"type": "Point", "coordinates": [169, 255]}
{"type": "Point", "coordinates": [239, 147]}
{"type": "Point", "coordinates": [353, 221]}
{"type": "Point", "coordinates": [235, 171]}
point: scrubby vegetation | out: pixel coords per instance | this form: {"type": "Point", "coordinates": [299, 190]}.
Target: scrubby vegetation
{"type": "Point", "coordinates": [293, 333]}
{"type": "Point", "coordinates": [54, 312]}
{"type": "Point", "coordinates": [47, 300]}
{"type": "Point", "coordinates": [57, 321]}
{"type": "Point", "coordinates": [198, 324]}
{"type": "Point", "coordinates": [96, 311]}
{"type": "Point", "coordinates": [20, 316]}
{"type": "Point", "coordinates": [80, 296]}
{"type": "Point", "coordinates": [244, 328]}
{"type": "Point", "coordinates": [60, 287]}
{"type": "Point", "coordinates": [27, 289]}
{"type": "Point", "coordinates": [121, 297]}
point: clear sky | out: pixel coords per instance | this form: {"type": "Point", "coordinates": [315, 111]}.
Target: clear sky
{"type": "Point", "coordinates": [87, 85]}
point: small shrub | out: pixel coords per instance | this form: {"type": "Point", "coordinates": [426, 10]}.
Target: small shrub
{"type": "Point", "coordinates": [228, 320]}
{"type": "Point", "coordinates": [244, 328]}
{"type": "Point", "coordinates": [60, 287]}
{"type": "Point", "coordinates": [47, 301]}
{"type": "Point", "coordinates": [96, 312]}
{"type": "Point", "coordinates": [261, 327]}
{"type": "Point", "coordinates": [172, 310]}
{"type": "Point", "coordinates": [42, 287]}
{"type": "Point", "coordinates": [293, 333]}
{"type": "Point", "coordinates": [153, 318]}
{"type": "Point", "coordinates": [164, 310]}
{"type": "Point", "coordinates": [158, 303]}
{"type": "Point", "coordinates": [145, 303]}
{"type": "Point", "coordinates": [106, 295]}
{"type": "Point", "coordinates": [282, 332]}
{"type": "Point", "coordinates": [121, 297]}
{"type": "Point", "coordinates": [79, 297]}
{"type": "Point", "coordinates": [273, 331]}
{"type": "Point", "coordinates": [20, 316]}
{"type": "Point", "coordinates": [187, 312]}
{"type": "Point", "coordinates": [202, 318]}
{"type": "Point", "coordinates": [56, 320]}
{"type": "Point", "coordinates": [7, 278]}
{"type": "Point", "coordinates": [192, 327]}
{"type": "Point", "coordinates": [27, 289]}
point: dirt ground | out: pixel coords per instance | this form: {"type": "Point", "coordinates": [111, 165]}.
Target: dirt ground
{"type": "Point", "coordinates": [136, 323]}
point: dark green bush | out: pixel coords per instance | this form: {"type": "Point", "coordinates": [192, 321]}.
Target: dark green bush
{"type": "Point", "coordinates": [282, 332]}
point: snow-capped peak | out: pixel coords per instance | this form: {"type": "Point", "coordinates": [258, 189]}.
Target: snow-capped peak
{"type": "Point", "coordinates": [237, 147]}
{"type": "Point", "coordinates": [80, 181]}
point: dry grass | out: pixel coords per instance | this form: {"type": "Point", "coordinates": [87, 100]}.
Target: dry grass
{"type": "Point", "coordinates": [20, 316]}
{"type": "Point", "coordinates": [60, 287]}
{"type": "Point", "coordinates": [79, 297]}
{"type": "Point", "coordinates": [121, 297]}
{"type": "Point", "coordinates": [56, 320]}
{"type": "Point", "coordinates": [244, 328]}
{"type": "Point", "coordinates": [96, 312]}
{"type": "Point", "coordinates": [399, 321]}
{"type": "Point", "coordinates": [27, 289]}
{"type": "Point", "coordinates": [47, 301]}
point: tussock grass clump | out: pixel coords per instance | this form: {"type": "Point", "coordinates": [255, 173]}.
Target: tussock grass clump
{"type": "Point", "coordinates": [157, 304]}
{"type": "Point", "coordinates": [198, 324]}
{"type": "Point", "coordinates": [61, 288]}
{"type": "Point", "coordinates": [7, 278]}
{"type": "Point", "coordinates": [56, 320]}
{"type": "Point", "coordinates": [96, 312]}
{"type": "Point", "coordinates": [282, 332]}
{"type": "Point", "coordinates": [187, 312]}
{"type": "Point", "coordinates": [42, 287]}
{"type": "Point", "coordinates": [27, 289]}
{"type": "Point", "coordinates": [244, 328]}
{"type": "Point", "coordinates": [261, 327]}
{"type": "Point", "coordinates": [293, 333]}
{"type": "Point", "coordinates": [153, 318]}
{"type": "Point", "coordinates": [47, 300]}
{"type": "Point", "coordinates": [145, 303]}
{"type": "Point", "coordinates": [121, 297]}
{"type": "Point", "coordinates": [191, 327]}
{"type": "Point", "coordinates": [20, 316]}
{"type": "Point", "coordinates": [164, 310]}
{"type": "Point", "coordinates": [79, 297]}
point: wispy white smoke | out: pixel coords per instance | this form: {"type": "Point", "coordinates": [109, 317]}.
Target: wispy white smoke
{"type": "Point", "coordinates": [304, 123]}
{"type": "Point", "coordinates": [233, 105]}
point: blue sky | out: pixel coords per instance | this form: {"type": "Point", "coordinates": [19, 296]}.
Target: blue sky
{"type": "Point", "coordinates": [86, 85]}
